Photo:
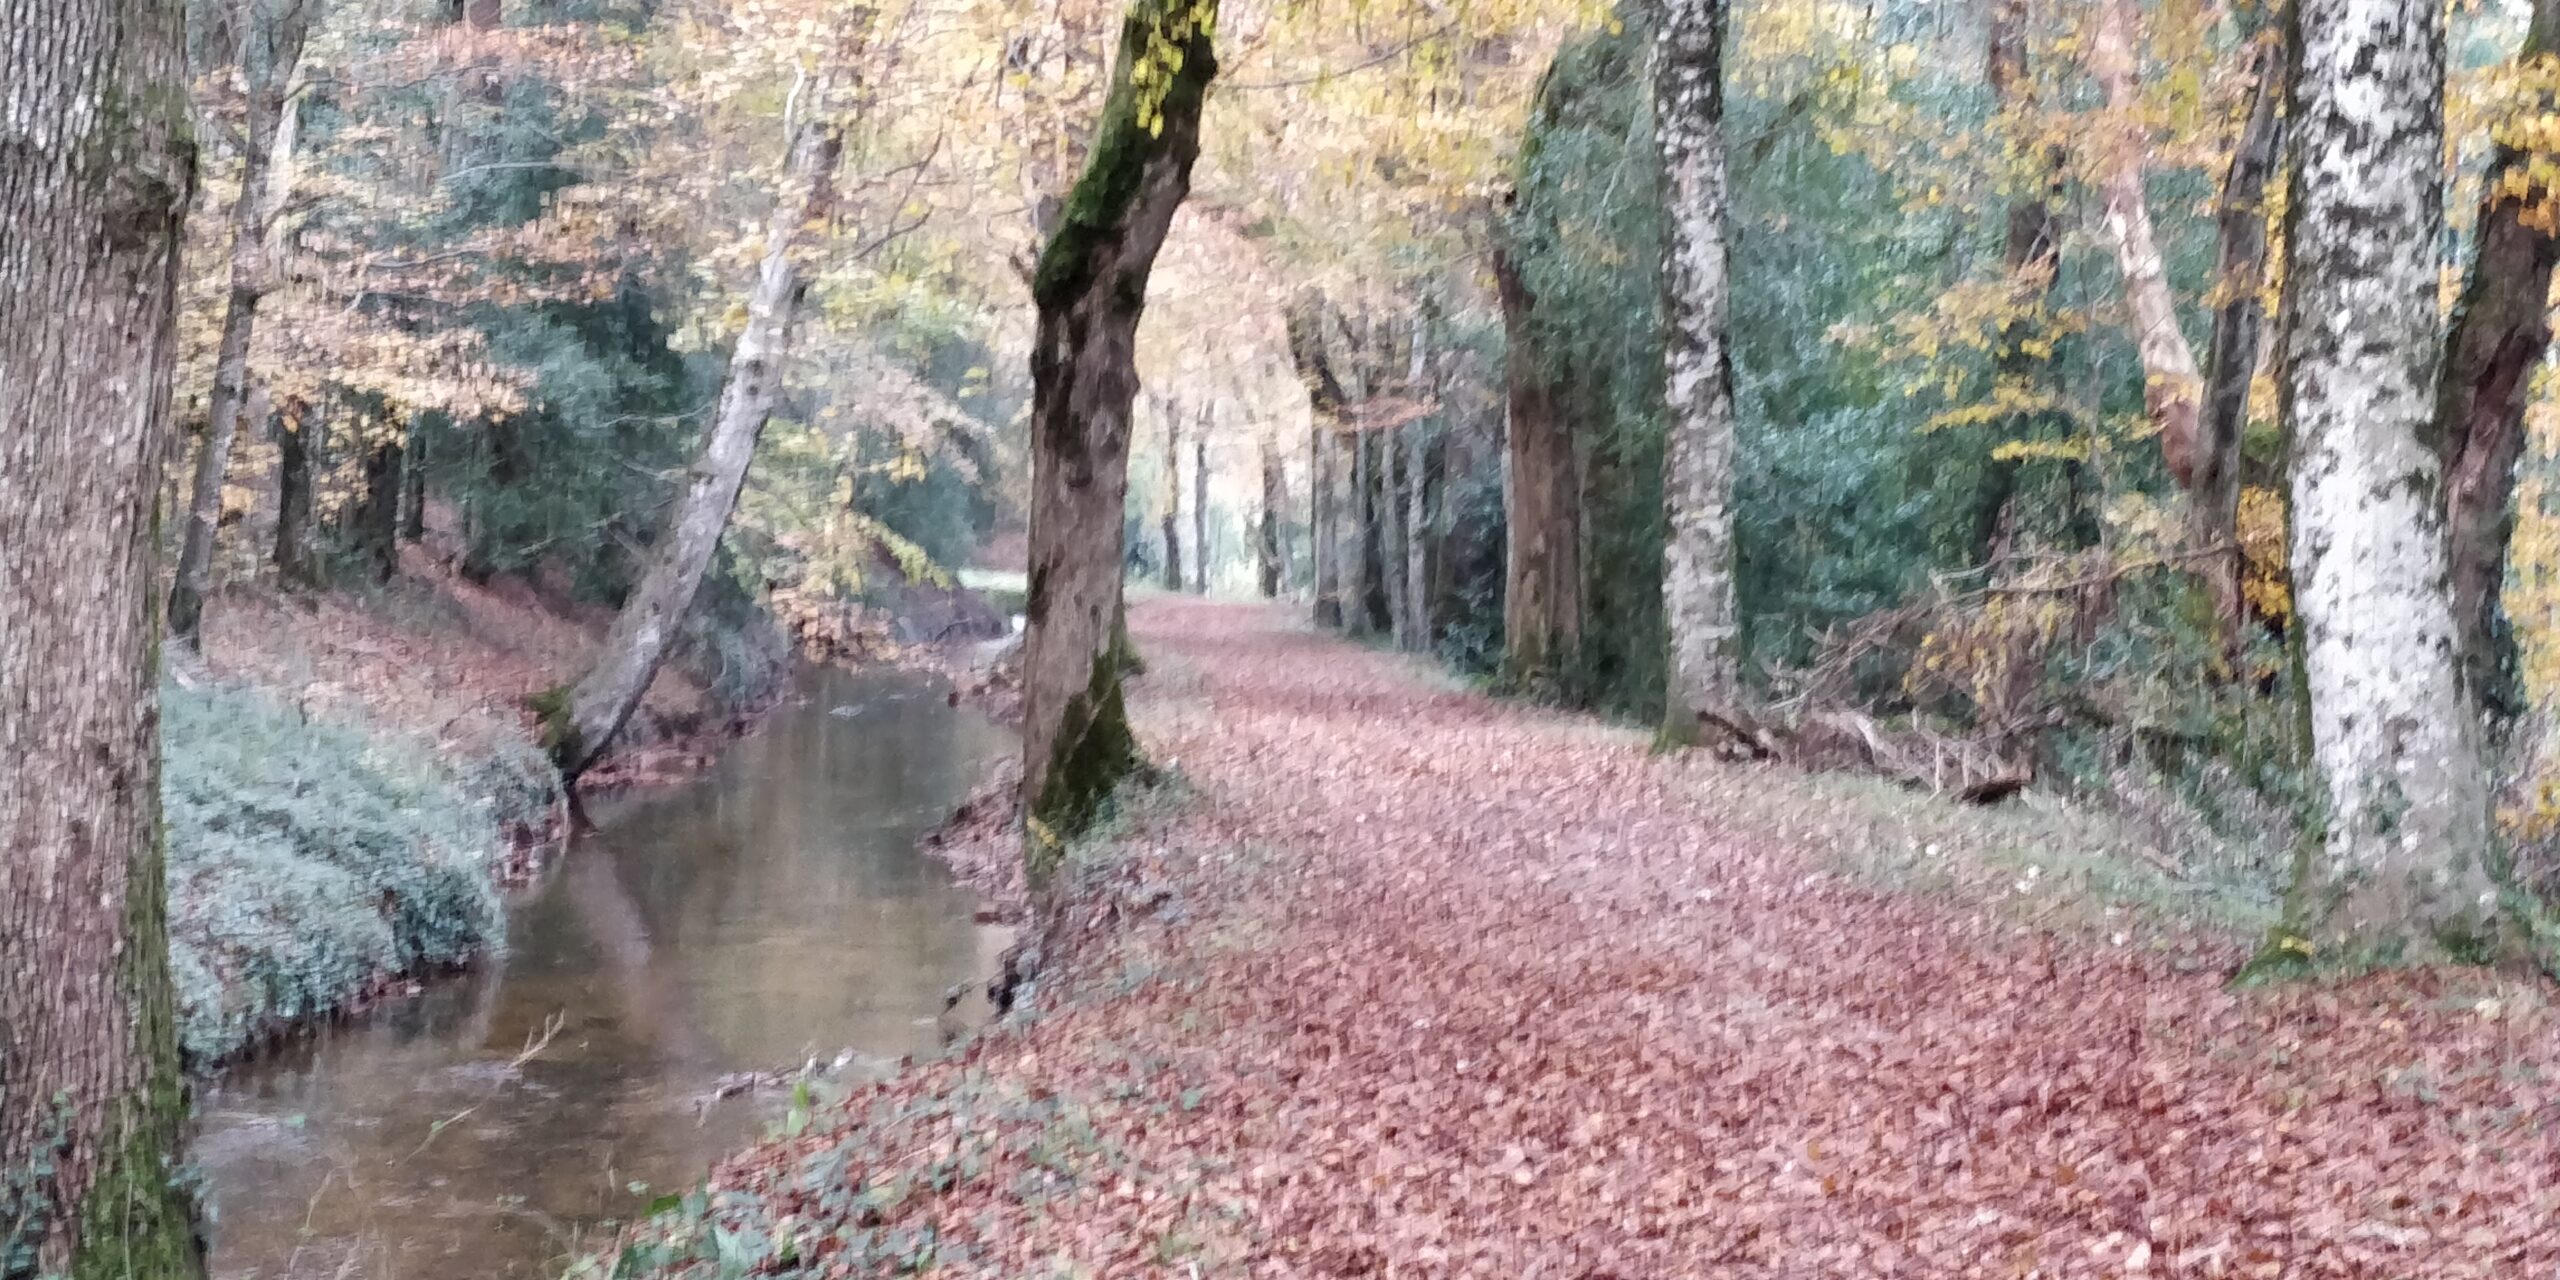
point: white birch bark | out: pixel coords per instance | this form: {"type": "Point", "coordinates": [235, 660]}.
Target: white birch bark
{"type": "Point", "coordinates": [1704, 677]}
{"type": "Point", "coordinates": [2393, 733]}
{"type": "Point", "coordinates": [596, 707]}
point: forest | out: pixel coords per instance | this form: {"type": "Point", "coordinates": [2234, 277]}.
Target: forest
{"type": "Point", "coordinates": [689, 638]}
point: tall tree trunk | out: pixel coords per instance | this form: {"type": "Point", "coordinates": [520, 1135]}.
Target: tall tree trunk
{"type": "Point", "coordinates": [413, 484]}
{"type": "Point", "coordinates": [1266, 545]}
{"type": "Point", "coordinates": [375, 522]}
{"type": "Point", "coordinates": [2032, 255]}
{"type": "Point", "coordinates": [580, 721]}
{"type": "Point", "coordinates": [2172, 390]}
{"type": "Point", "coordinates": [1172, 497]}
{"type": "Point", "coordinates": [297, 459]}
{"type": "Point", "coordinates": [1200, 503]}
{"type": "Point", "coordinates": [1542, 499]}
{"type": "Point", "coordinates": [1377, 612]}
{"type": "Point", "coordinates": [1326, 405]}
{"type": "Point", "coordinates": [2231, 362]}
{"type": "Point", "coordinates": [2394, 735]}
{"type": "Point", "coordinates": [1417, 539]}
{"type": "Point", "coordinates": [2500, 331]}
{"type": "Point", "coordinates": [1090, 289]}
{"type": "Point", "coordinates": [97, 163]}
{"type": "Point", "coordinates": [1703, 694]}
{"type": "Point", "coordinates": [271, 48]}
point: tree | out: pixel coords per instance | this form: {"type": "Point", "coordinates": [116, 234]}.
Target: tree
{"type": "Point", "coordinates": [1542, 557]}
{"type": "Point", "coordinates": [2501, 328]}
{"type": "Point", "coordinates": [270, 48]}
{"type": "Point", "coordinates": [1327, 405]}
{"type": "Point", "coordinates": [580, 721]}
{"type": "Point", "coordinates": [2172, 389]}
{"type": "Point", "coordinates": [1090, 289]}
{"type": "Point", "coordinates": [1704, 693]}
{"type": "Point", "coordinates": [2393, 735]}
{"type": "Point", "coordinates": [2231, 363]}
{"type": "Point", "coordinates": [1266, 540]}
{"type": "Point", "coordinates": [1200, 499]}
{"type": "Point", "coordinates": [1172, 414]}
{"type": "Point", "coordinates": [97, 164]}
{"type": "Point", "coordinates": [2031, 256]}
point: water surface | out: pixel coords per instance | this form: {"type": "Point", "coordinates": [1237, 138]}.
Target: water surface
{"type": "Point", "coordinates": [772, 911]}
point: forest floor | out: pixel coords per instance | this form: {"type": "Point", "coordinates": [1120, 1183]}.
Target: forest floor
{"type": "Point", "coordinates": [1395, 979]}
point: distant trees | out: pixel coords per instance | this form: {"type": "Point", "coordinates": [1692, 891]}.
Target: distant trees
{"type": "Point", "coordinates": [97, 165]}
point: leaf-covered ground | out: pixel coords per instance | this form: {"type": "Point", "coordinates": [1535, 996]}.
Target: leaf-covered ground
{"type": "Point", "coordinates": [1401, 981]}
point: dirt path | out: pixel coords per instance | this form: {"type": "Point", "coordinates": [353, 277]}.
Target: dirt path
{"type": "Point", "coordinates": [1416, 983]}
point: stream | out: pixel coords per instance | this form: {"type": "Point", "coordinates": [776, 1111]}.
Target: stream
{"type": "Point", "coordinates": [771, 911]}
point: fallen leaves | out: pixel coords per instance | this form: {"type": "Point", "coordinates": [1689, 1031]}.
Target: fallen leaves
{"type": "Point", "coordinates": [1439, 986]}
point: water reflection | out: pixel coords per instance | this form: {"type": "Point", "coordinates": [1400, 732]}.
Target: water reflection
{"type": "Point", "coordinates": [772, 911]}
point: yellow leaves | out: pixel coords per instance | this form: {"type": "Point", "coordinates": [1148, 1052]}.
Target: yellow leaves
{"type": "Point", "coordinates": [2265, 574]}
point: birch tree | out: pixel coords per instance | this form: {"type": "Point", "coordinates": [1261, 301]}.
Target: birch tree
{"type": "Point", "coordinates": [1090, 288]}
{"type": "Point", "coordinates": [97, 163]}
{"type": "Point", "coordinates": [1704, 693]}
{"type": "Point", "coordinates": [580, 721]}
{"type": "Point", "coordinates": [2393, 735]}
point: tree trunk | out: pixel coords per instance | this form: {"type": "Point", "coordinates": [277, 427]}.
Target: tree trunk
{"type": "Point", "coordinates": [1542, 499]}
{"type": "Point", "coordinates": [2240, 275]}
{"type": "Point", "coordinates": [1326, 405]}
{"type": "Point", "coordinates": [1266, 546]}
{"type": "Point", "coordinates": [1200, 503]}
{"type": "Point", "coordinates": [413, 483]}
{"type": "Point", "coordinates": [1417, 539]}
{"type": "Point", "coordinates": [2032, 256]}
{"type": "Point", "coordinates": [1377, 612]}
{"type": "Point", "coordinates": [2172, 390]}
{"type": "Point", "coordinates": [1703, 695]}
{"type": "Point", "coordinates": [297, 458]}
{"type": "Point", "coordinates": [580, 722]}
{"type": "Point", "coordinates": [2393, 733]}
{"type": "Point", "coordinates": [270, 49]}
{"type": "Point", "coordinates": [1090, 290]}
{"type": "Point", "coordinates": [2500, 331]}
{"type": "Point", "coordinates": [1172, 497]}
{"type": "Point", "coordinates": [97, 161]}
{"type": "Point", "coordinates": [375, 522]}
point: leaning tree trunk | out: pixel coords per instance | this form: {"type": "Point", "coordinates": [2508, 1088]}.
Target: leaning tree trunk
{"type": "Point", "coordinates": [580, 721]}
{"type": "Point", "coordinates": [1090, 289]}
{"type": "Point", "coordinates": [2172, 390]}
{"type": "Point", "coordinates": [1542, 501]}
{"type": "Point", "coordinates": [1266, 543]}
{"type": "Point", "coordinates": [270, 49]}
{"type": "Point", "coordinates": [2231, 362]}
{"type": "Point", "coordinates": [1703, 697]}
{"type": "Point", "coordinates": [97, 163]}
{"type": "Point", "coordinates": [2393, 734]}
{"type": "Point", "coordinates": [2500, 331]}
{"type": "Point", "coordinates": [1172, 498]}
{"type": "Point", "coordinates": [1200, 503]}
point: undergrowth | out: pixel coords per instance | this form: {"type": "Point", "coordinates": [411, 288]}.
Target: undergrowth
{"type": "Point", "coordinates": [309, 861]}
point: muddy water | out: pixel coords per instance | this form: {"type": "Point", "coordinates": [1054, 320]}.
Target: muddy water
{"type": "Point", "coordinates": [770, 912]}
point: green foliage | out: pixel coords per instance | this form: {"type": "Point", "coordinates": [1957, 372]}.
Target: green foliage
{"type": "Point", "coordinates": [308, 860]}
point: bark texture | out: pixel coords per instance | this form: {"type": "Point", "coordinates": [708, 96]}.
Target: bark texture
{"type": "Point", "coordinates": [1172, 498]}
{"type": "Point", "coordinates": [1327, 405]}
{"type": "Point", "coordinates": [1542, 501]}
{"type": "Point", "coordinates": [2501, 328]}
{"type": "Point", "coordinates": [579, 723]}
{"type": "Point", "coordinates": [1200, 503]}
{"type": "Point", "coordinates": [1703, 695]}
{"type": "Point", "coordinates": [271, 49]}
{"type": "Point", "coordinates": [1266, 544]}
{"type": "Point", "coordinates": [2231, 361]}
{"type": "Point", "coordinates": [1091, 288]}
{"type": "Point", "coordinates": [2393, 733]}
{"type": "Point", "coordinates": [97, 164]}
{"type": "Point", "coordinates": [2172, 389]}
